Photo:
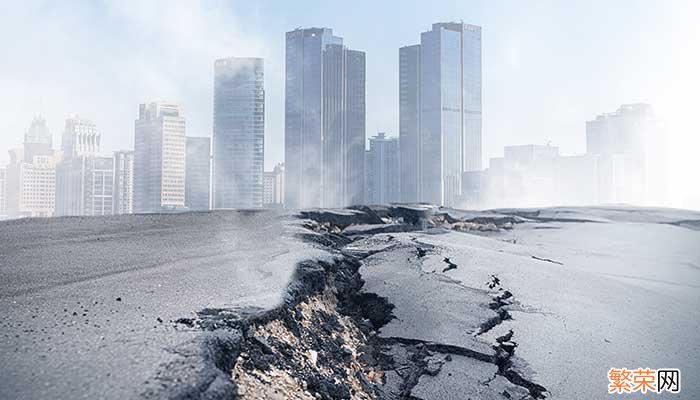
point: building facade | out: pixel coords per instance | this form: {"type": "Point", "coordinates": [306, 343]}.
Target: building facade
{"type": "Point", "coordinates": [159, 158]}
{"type": "Point", "coordinates": [440, 107]}
{"type": "Point", "coordinates": [30, 187]}
{"type": "Point", "coordinates": [239, 132]}
{"type": "Point", "coordinates": [123, 182]}
{"type": "Point", "coordinates": [84, 179]}
{"type": "Point", "coordinates": [273, 187]}
{"type": "Point", "coordinates": [80, 138]}
{"type": "Point", "coordinates": [85, 186]}
{"type": "Point", "coordinates": [198, 173]}
{"type": "Point", "coordinates": [324, 120]}
{"type": "Point", "coordinates": [382, 169]}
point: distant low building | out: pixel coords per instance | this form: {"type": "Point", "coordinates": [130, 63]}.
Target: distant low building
{"type": "Point", "coordinates": [524, 176]}
{"type": "Point", "coordinates": [273, 187]}
{"type": "Point", "coordinates": [382, 169]}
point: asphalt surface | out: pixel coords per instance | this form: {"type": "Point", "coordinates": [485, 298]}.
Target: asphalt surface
{"type": "Point", "coordinates": [87, 304]}
{"type": "Point", "coordinates": [592, 289]}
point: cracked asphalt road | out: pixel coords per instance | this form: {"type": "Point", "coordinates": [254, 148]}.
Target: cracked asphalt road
{"type": "Point", "coordinates": [82, 299]}
{"type": "Point", "coordinates": [87, 304]}
{"type": "Point", "coordinates": [592, 289]}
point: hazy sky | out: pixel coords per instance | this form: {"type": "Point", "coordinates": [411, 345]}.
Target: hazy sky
{"type": "Point", "coordinates": [549, 65]}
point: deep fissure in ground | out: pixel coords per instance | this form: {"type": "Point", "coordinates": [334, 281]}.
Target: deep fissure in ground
{"type": "Point", "coordinates": [322, 343]}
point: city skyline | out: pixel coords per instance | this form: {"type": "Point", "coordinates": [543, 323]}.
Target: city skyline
{"type": "Point", "coordinates": [570, 112]}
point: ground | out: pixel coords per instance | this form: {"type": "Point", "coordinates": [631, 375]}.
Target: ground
{"type": "Point", "coordinates": [383, 302]}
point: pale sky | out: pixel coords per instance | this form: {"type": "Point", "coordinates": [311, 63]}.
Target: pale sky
{"type": "Point", "coordinates": [549, 65]}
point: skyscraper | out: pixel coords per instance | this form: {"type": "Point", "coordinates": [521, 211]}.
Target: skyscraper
{"type": "Point", "coordinates": [382, 168]}
{"type": "Point", "coordinates": [159, 158]}
{"type": "Point", "coordinates": [123, 182]}
{"type": "Point", "coordinates": [324, 120]}
{"type": "Point", "coordinates": [197, 173]}
{"type": "Point", "coordinates": [440, 107]}
{"type": "Point", "coordinates": [239, 132]}
{"type": "Point", "coordinates": [80, 138]}
{"type": "Point", "coordinates": [409, 121]}
{"type": "Point", "coordinates": [84, 180]}
{"type": "Point", "coordinates": [31, 174]}
{"type": "Point", "coordinates": [37, 140]}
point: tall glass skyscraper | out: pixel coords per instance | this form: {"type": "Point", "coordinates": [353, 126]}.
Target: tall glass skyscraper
{"type": "Point", "coordinates": [239, 132]}
{"type": "Point", "coordinates": [324, 120]}
{"type": "Point", "coordinates": [440, 107]}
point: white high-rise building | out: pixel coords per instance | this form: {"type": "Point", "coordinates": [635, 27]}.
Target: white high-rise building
{"type": "Point", "coordinates": [31, 186]}
{"type": "Point", "coordinates": [31, 175]}
{"type": "Point", "coordinates": [159, 158]}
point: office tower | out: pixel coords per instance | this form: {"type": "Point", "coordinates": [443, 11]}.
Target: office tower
{"type": "Point", "coordinates": [80, 138]}
{"type": "Point", "coordinates": [159, 158]}
{"type": "Point", "coordinates": [440, 107]}
{"type": "Point", "coordinates": [273, 187]}
{"type": "Point", "coordinates": [382, 168]}
{"type": "Point", "coordinates": [197, 173]}
{"type": "Point", "coordinates": [409, 121]}
{"type": "Point", "coordinates": [84, 180]}
{"type": "Point", "coordinates": [30, 187]}
{"type": "Point", "coordinates": [37, 140]}
{"type": "Point", "coordinates": [239, 132]}
{"type": "Point", "coordinates": [632, 150]}
{"type": "Point", "coordinates": [3, 184]}
{"type": "Point", "coordinates": [324, 120]}
{"type": "Point", "coordinates": [123, 182]}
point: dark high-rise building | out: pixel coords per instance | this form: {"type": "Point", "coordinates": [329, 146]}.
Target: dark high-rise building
{"type": "Point", "coordinates": [159, 158]}
{"type": "Point", "coordinates": [382, 170]}
{"type": "Point", "coordinates": [324, 120]}
{"type": "Point", "coordinates": [440, 101]}
{"type": "Point", "coordinates": [197, 173]}
{"type": "Point", "coordinates": [239, 132]}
